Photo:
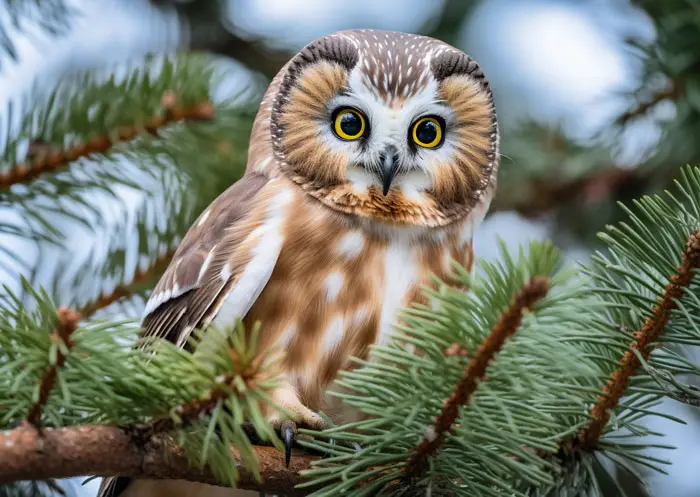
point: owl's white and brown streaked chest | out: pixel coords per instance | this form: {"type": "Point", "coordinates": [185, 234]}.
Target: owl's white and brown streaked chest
{"type": "Point", "coordinates": [337, 286]}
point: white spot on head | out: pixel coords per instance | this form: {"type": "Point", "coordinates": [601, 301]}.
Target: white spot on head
{"type": "Point", "coordinates": [333, 334]}
{"type": "Point", "coordinates": [352, 244]}
{"type": "Point", "coordinates": [333, 284]}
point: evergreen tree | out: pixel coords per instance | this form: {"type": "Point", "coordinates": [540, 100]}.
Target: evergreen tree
{"type": "Point", "coordinates": [536, 381]}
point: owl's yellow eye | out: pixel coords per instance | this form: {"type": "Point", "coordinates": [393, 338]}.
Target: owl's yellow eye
{"type": "Point", "coordinates": [349, 124]}
{"type": "Point", "coordinates": [427, 132]}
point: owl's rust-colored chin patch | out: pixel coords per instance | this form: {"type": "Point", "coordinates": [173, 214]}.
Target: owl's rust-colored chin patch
{"type": "Point", "coordinates": [394, 208]}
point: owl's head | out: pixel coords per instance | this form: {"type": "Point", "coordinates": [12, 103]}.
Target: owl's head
{"type": "Point", "coordinates": [386, 125]}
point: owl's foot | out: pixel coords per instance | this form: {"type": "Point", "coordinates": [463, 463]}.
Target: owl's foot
{"type": "Point", "coordinates": [301, 416]}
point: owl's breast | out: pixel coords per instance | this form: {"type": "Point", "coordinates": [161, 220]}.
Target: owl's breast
{"type": "Point", "coordinates": [336, 290]}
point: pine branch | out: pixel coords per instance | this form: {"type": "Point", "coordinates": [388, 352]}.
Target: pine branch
{"type": "Point", "coordinates": [98, 450]}
{"type": "Point", "coordinates": [649, 333]}
{"type": "Point", "coordinates": [128, 289]}
{"type": "Point", "coordinates": [509, 322]}
{"type": "Point", "coordinates": [44, 159]}
{"type": "Point", "coordinates": [66, 325]}
{"type": "Point", "coordinates": [51, 16]}
{"type": "Point", "coordinates": [673, 91]}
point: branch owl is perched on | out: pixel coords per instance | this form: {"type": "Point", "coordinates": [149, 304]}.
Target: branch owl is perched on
{"type": "Point", "coordinates": [372, 160]}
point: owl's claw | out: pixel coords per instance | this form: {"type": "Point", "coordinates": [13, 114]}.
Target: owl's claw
{"type": "Point", "coordinates": [288, 430]}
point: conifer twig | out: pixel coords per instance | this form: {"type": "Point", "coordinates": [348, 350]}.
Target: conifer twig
{"type": "Point", "coordinates": [128, 289]}
{"type": "Point", "coordinates": [672, 91]}
{"type": "Point", "coordinates": [66, 325]}
{"type": "Point", "coordinates": [649, 333]}
{"type": "Point", "coordinates": [509, 322]}
{"type": "Point", "coordinates": [110, 451]}
{"type": "Point", "coordinates": [192, 410]}
{"type": "Point", "coordinates": [42, 159]}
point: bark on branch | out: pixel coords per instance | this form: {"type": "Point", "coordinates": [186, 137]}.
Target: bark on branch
{"type": "Point", "coordinates": [42, 159]}
{"type": "Point", "coordinates": [505, 327]}
{"type": "Point", "coordinates": [649, 333]}
{"type": "Point", "coordinates": [27, 454]}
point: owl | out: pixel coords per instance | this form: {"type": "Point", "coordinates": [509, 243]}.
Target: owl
{"type": "Point", "coordinates": [372, 160]}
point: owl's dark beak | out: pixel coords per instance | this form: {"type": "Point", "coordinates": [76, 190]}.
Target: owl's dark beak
{"type": "Point", "coordinates": [388, 166]}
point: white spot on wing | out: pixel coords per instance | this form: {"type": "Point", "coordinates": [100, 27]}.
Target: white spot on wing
{"type": "Point", "coordinates": [225, 272]}
{"type": "Point", "coordinates": [205, 264]}
{"type": "Point", "coordinates": [333, 284]}
{"type": "Point", "coordinates": [257, 272]}
{"type": "Point", "coordinates": [204, 217]}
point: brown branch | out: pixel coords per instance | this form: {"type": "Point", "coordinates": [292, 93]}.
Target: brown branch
{"type": "Point", "coordinates": [42, 159]}
{"type": "Point", "coordinates": [128, 289]}
{"type": "Point", "coordinates": [649, 333]}
{"type": "Point", "coordinates": [109, 451]}
{"type": "Point", "coordinates": [507, 325]}
{"type": "Point", "coordinates": [66, 325]}
{"type": "Point", "coordinates": [672, 91]}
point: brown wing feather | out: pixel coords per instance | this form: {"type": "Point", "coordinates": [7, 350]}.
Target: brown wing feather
{"type": "Point", "coordinates": [186, 295]}
{"type": "Point", "coordinates": [175, 304]}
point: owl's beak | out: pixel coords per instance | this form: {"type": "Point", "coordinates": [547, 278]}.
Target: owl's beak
{"type": "Point", "coordinates": [388, 166]}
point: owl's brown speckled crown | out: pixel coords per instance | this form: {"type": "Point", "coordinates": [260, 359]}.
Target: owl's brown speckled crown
{"type": "Point", "coordinates": [394, 67]}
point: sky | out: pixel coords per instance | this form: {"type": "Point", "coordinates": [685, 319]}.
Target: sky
{"type": "Point", "coordinates": [560, 61]}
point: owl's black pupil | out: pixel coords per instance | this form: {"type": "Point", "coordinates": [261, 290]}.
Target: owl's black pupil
{"type": "Point", "coordinates": [427, 132]}
{"type": "Point", "coordinates": [350, 123]}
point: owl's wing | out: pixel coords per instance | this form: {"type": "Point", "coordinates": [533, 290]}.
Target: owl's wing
{"type": "Point", "coordinates": [226, 257]}
{"type": "Point", "coordinates": [230, 251]}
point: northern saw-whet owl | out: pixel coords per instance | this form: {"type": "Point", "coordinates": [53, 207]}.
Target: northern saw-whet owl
{"type": "Point", "coordinates": [372, 160]}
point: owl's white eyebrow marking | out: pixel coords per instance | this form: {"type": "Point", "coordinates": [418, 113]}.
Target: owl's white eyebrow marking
{"type": "Point", "coordinates": [352, 244]}
{"type": "Point", "coordinates": [333, 284]}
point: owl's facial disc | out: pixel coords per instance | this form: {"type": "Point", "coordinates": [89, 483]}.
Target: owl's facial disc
{"type": "Point", "coordinates": [387, 125]}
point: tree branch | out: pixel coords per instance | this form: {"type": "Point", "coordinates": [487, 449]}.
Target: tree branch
{"type": "Point", "coordinates": [26, 454]}
{"type": "Point", "coordinates": [42, 158]}
{"type": "Point", "coordinates": [128, 289]}
{"type": "Point", "coordinates": [66, 325]}
{"type": "Point", "coordinates": [650, 332]}
{"type": "Point", "coordinates": [507, 325]}
{"type": "Point", "coordinates": [672, 91]}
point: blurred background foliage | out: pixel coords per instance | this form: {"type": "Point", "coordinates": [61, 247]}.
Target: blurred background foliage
{"type": "Point", "coordinates": [599, 102]}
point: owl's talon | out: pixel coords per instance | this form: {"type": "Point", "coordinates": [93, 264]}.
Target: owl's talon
{"type": "Point", "coordinates": [288, 430]}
